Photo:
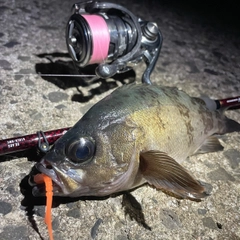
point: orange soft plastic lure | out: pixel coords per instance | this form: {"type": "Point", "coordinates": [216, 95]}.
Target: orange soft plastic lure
{"type": "Point", "coordinates": [40, 178]}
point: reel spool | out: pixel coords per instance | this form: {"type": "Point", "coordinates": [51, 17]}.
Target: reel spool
{"type": "Point", "coordinates": [112, 37]}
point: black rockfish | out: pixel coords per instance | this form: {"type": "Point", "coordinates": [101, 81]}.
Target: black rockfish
{"type": "Point", "coordinates": [137, 134]}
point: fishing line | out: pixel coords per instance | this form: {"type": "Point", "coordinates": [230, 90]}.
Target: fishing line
{"type": "Point", "coordinates": [51, 75]}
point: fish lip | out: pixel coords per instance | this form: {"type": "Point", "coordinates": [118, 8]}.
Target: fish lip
{"type": "Point", "coordinates": [49, 172]}
{"type": "Point", "coordinates": [39, 189]}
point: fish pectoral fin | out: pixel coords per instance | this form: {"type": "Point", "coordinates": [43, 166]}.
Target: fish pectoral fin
{"type": "Point", "coordinates": [165, 173]}
{"type": "Point", "coordinates": [211, 144]}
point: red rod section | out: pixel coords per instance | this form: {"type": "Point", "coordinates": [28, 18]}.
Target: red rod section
{"type": "Point", "coordinates": [18, 144]}
{"type": "Point", "coordinates": [229, 103]}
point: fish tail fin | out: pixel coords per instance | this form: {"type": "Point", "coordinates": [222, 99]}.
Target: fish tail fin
{"type": "Point", "coordinates": [231, 125]}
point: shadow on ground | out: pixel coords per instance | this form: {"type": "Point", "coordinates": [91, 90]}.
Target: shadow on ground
{"type": "Point", "coordinates": [61, 64]}
{"type": "Point", "coordinates": [131, 206]}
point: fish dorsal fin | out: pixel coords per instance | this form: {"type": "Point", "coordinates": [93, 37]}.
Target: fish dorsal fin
{"type": "Point", "coordinates": [165, 173]}
{"type": "Point", "coordinates": [211, 144]}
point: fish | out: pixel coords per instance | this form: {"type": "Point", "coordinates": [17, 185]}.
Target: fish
{"type": "Point", "coordinates": [139, 134]}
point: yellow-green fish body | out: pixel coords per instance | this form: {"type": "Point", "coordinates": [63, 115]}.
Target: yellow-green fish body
{"type": "Point", "coordinates": [137, 134]}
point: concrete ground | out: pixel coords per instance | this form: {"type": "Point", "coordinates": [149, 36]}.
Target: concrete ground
{"type": "Point", "coordinates": [200, 55]}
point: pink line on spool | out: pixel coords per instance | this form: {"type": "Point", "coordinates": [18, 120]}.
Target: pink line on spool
{"type": "Point", "coordinates": [100, 38]}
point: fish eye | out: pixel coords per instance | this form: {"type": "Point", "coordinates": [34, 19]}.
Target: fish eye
{"type": "Point", "coordinates": [81, 150]}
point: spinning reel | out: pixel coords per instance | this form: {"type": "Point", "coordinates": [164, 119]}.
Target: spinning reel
{"type": "Point", "coordinates": [113, 37]}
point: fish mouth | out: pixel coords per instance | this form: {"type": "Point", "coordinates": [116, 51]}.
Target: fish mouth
{"type": "Point", "coordinates": [63, 185]}
{"type": "Point", "coordinates": [39, 188]}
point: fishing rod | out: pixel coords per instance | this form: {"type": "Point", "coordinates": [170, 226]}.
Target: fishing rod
{"type": "Point", "coordinates": [229, 103]}
{"type": "Point", "coordinates": [40, 140]}
{"type": "Point", "coordinates": [43, 140]}
{"type": "Point", "coordinates": [112, 37]}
